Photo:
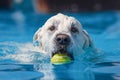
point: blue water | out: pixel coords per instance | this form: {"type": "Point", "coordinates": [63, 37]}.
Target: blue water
{"type": "Point", "coordinates": [20, 60]}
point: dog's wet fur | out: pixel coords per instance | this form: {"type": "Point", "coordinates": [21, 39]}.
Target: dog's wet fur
{"type": "Point", "coordinates": [63, 34]}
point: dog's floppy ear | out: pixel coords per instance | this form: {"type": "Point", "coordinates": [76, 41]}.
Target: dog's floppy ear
{"type": "Point", "coordinates": [88, 40]}
{"type": "Point", "coordinates": [36, 35]}
{"type": "Point", "coordinates": [37, 39]}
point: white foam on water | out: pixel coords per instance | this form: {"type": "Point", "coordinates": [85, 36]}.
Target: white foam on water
{"type": "Point", "coordinates": [23, 52]}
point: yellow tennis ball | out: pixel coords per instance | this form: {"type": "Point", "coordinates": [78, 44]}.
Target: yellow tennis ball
{"type": "Point", "coordinates": [59, 58]}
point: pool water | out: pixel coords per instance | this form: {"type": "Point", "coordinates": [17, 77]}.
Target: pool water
{"type": "Point", "coordinates": [20, 60]}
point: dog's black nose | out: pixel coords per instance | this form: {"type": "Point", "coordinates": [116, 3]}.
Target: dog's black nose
{"type": "Point", "coordinates": [62, 39]}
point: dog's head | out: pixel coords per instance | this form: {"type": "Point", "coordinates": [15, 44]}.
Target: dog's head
{"type": "Point", "coordinates": [63, 34]}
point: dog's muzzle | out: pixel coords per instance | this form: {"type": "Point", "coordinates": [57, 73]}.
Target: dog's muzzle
{"type": "Point", "coordinates": [62, 40]}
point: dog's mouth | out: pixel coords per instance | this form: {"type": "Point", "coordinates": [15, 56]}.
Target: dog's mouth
{"type": "Point", "coordinates": [63, 51]}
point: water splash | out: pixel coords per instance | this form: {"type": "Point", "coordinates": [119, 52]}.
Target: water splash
{"type": "Point", "coordinates": [21, 52]}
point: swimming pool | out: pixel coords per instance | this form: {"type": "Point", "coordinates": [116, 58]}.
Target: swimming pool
{"type": "Point", "coordinates": [20, 60]}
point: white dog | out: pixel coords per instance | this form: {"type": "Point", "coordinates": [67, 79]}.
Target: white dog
{"type": "Point", "coordinates": [62, 33]}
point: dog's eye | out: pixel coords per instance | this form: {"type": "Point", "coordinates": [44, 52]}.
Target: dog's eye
{"type": "Point", "coordinates": [74, 30]}
{"type": "Point", "coordinates": [52, 28]}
